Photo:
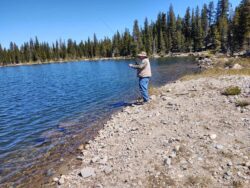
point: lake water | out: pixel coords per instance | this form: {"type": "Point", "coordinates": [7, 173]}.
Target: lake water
{"type": "Point", "coordinates": [41, 106]}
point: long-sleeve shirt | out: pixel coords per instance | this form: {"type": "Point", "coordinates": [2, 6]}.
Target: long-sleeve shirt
{"type": "Point", "coordinates": [143, 68]}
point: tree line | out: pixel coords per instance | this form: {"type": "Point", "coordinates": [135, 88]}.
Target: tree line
{"type": "Point", "coordinates": [217, 28]}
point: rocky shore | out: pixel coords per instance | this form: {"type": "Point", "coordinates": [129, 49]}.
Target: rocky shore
{"type": "Point", "coordinates": [189, 135]}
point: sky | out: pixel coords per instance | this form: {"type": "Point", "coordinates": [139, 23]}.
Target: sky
{"type": "Point", "coordinates": [50, 20]}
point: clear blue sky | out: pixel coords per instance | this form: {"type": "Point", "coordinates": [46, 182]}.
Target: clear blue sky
{"type": "Point", "coordinates": [77, 19]}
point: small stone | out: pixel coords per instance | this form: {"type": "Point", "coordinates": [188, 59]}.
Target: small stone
{"type": "Point", "coordinates": [87, 172]}
{"type": "Point", "coordinates": [248, 164]}
{"type": "Point", "coordinates": [49, 172]}
{"type": "Point", "coordinates": [200, 159]}
{"type": "Point", "coordinates": [94, 159]}
{"type": "Point", "coordinates": [98, 186]}
{"type": "Point", "coordinates": [80, 158]}
{"type": "Point", "coordinates": [107, 170]}
{"type": "Point", "coordinates": [164, 122]}
{"type": "Point", "coordinates": [227, 175]}
{"type": "Point", "coordinates": [168, 90]}
{"type": "Point", "coordinates": [55, 179]}
{"type": "Point", "coordinates": [104, 160]}
{"type": "Point", "coordinates": [237, 66]}
{"type": "Point", "coordinates": [218, 146]}
{"type": "Point", "coordinates": [212, 136]}
{"type": "Point", "coordinates": [229, 163]}
{"type": "Point", "coordinates": [61, 181]}
{"type": "Point", "coordinates": [177, 148]}
{"type": "Point", "coordinates": [81, 147]}
{"type": "Point", "coordinates": [153, 97]}
{"type": "Point", "coordinates": [167, 161]}
{"type": "Point", "coordinates": [172, 155]}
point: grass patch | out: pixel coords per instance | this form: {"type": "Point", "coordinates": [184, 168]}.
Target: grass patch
{"type": "Point", "coordinates": [216, 72]}
{"type": "Point", "coordinates": [238, 184]}
{"type": "Point", "coordinates": [198, 181]}
{"type": "Point", "coordinates": [160, 181]}
{"type": "Point", "coordinates": [219, 69]}
{"type": "Point", "coordinates": [242, 103]}
{"type": "Point", "coordinates": [153, 91]}
{"type": "Point", "coordinates": [232, 90]}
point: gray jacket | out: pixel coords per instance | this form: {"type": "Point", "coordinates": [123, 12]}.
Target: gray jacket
{"type": "Point", "coordinates": [143, 68]}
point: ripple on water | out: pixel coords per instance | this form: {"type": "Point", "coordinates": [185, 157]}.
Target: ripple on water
{"type": "Point", "coordinates": [45, 110]}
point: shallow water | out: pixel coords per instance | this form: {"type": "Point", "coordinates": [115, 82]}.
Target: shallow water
{"type": "Point", "coordinates": [43, 105]}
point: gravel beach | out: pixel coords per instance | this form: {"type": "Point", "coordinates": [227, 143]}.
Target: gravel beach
{"type": "Point", "coordinates": [189, 135]}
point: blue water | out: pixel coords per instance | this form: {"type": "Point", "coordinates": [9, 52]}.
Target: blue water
{"type": "Point", "coordinates": [40, 101]}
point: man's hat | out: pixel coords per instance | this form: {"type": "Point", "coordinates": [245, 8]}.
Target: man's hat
{"type": "Point", "coordinates": [142, 54]}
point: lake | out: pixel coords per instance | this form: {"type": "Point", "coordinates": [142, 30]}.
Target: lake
{"type": "Point", "coordinates": [44, 107]}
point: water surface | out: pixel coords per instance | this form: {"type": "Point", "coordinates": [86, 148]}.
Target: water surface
{"type": "Point", "coordinates": [43, 105]}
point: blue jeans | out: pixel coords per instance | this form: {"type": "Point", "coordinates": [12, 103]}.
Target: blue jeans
{"type": "Point", "coordinates": [143, 85]}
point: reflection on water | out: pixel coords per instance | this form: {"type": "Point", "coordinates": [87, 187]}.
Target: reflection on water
{"type": "Point", "coordinates": [41, 106]}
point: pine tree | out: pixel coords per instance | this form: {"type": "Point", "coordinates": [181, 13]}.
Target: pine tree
{"type": "Point", "coordinates": [245, 24]}
{"type": "Point", "coordinates": [160, 37]}
{"type": "Point", "coordinates": [95, 46]}
{"type": "Point", "coordinates": [137, 40]}
{"type": "Point", "coordinates": [215, 39]}
{"type": "Point", "coordinates": [172, 29]}
{"type": "Point", "coordinates": [164, 29]}
{"type": "Point", "coordinates": [199, 31]}
{"type": "Point", "coordinates": [180, 36]}
{"type": "Point", "coordinates": [222, 22]}
{"type": "Point", "coordinates": [205, 25]}
{"type": "Point", "coordinates": [148, 37]}
{"type": "Point", "coordinates": [211, 13]}
{"type": "Point", "coordinates": [187, 31]}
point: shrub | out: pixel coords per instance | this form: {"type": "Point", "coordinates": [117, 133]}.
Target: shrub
{"type": "Point", "coordinates": [232, 90]}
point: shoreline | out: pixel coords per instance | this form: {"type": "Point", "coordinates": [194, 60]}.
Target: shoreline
{"type": "Point", "coordinates": [180, 139]}
{"type": "Point", "coordinates": [66, 61]}
{"type": "Point", "coordinates": [156, 56]}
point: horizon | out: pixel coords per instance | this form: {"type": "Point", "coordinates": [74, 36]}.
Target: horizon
{"type": "Point", "coordinates": [68, 20]}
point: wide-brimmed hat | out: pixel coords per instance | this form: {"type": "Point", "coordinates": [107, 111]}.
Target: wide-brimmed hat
{"type": "Point", "coordinates": [142, 54]}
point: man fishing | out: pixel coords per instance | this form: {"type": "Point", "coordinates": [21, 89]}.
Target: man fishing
{"type": "Point", "coordinates": [144, 73]}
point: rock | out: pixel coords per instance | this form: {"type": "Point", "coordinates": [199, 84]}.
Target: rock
{"type": "Point", "coordinates": [212, 136]}
{"type": "Point", "coordinates": [176, 148]}
{"type": "Point", "coordinates": [153, 97]}
{"type": "Point", "coordinates": [81, 147]}
{"type": "Point", "coordinates": [248, 164]}
{"type": "Point", "coordinates": [107, 170]}
{"type": "Point", "coordinates": [167, 161]}
{"type": "Point", "coordinates": [164, 122]}
{"type": "Point", "coordinates": [228, 175]}
{"type": "Point", "coordinates": [229, 163]}
{"type": "Point", "coordinates": [104, 160]}
{"type": "Point", "coordinates": [218, 146]}
{"type": "Point", "coordinates": [80, 158]}
{"type": "Point", "coordinates": [165, 98]}
{"type": "Point", "coordinates": [237, 66]}
{"type": "Point", "coordinates": [55, 179]}
{"type": "Point", "coordinates": [98, 186]}
{"type": "Point", "coordinates": [61, 181]}
{"type": "Point", "coordinates": [94, 159]}
{"type": "Point", "coordinates": [87, 172]}
{"type": "Point", "coordinates": [172, 155]}
{"type": "Point", "coordinates": [50, 172]}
